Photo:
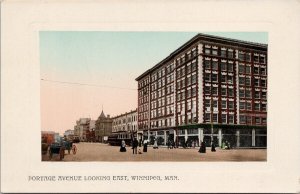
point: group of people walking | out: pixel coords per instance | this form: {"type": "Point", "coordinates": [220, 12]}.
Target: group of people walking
{"type": "Point", "coordinates": [135, 144]}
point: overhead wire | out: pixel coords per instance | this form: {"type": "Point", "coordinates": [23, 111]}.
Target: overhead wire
{"type": "Point", "coordinates": [86, 84]}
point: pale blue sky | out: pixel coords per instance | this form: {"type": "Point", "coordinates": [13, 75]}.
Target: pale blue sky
{"type": "Point", "coordinates": [103, 58]}
{"type": "Point", "coordinates": [81, 56]}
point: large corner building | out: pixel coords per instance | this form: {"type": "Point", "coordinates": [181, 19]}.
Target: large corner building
{"type": "Point", "coordinates": [211, 88]}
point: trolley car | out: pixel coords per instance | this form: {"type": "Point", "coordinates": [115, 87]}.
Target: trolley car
{"type": "Point", "coordinates": [116, 139]}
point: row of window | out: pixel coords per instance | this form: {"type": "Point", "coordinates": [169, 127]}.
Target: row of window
{"type": "Point", "coordinates": [252, 120]}
{"type": "Point", "coordinates": [258, 82]}
{"type": "Point", "coordinates": [163, 123]}
{"type": "Point", "coordinates": [257, 70]}
{"type": "Point", "coordinates": [143, 82]}
{"type": "Point", "coordinates": [215, 65]}
{"type": "Point", "coordinates": [143, 116]}
{"type": "Point", "coordinates": [224, 52]}
{"type": "Point", "coordinates": [124, 128]}
{"type": "Point", "coordinates": [191, 67]}
{"type": "Point", "coordinates": [187, 56]}
{"type": "Point", "coordinates": [224, 104]}
{"type": "Point", "coordinates": [191, 106]}
{"type": "Point", "coordinates": [189, 118]}
{"type": "Point", "coordinates": [190, 92]}
{"type": "Point", "coordinates": [225, 118]}
{"type": "Point", "coordinates": [143, 108]}
{"type": "Point", "coordinates": [247, 93]}
{"type": "Point", "coordinates": [213, 77]}
{"type": "Point", "coordinates": [208, 90]}
{"type": "Point", "coordinates": [124, 120]}
{"type": "Point", "coordinates": [185, 82]}
{"type": "Point", "coordinates": [258, 106]}
{"type": "Point", "coordinates": [162, 92]}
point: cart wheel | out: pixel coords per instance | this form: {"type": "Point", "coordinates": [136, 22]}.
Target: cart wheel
{"type": "Point", "coordinates": [74, 149]}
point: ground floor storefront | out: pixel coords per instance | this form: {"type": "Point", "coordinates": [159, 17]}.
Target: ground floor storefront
{"type": "Point", "coordinates": [192, 137]}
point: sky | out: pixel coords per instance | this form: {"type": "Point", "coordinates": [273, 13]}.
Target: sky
{"type": "Point", "coordinates": [83, 71]}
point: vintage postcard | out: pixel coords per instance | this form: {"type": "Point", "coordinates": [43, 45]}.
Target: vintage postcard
{"type": "Point", "coordinates": [126, 96]}
{"type": "Point", "coordinates": [203, 92]}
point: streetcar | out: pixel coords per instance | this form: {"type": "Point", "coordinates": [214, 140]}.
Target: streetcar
{"type": "Point", "coordinates": [116, 139]}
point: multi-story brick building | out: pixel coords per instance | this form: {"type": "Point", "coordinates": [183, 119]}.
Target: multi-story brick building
{"type": "Point", "coordinates": [207, 79]}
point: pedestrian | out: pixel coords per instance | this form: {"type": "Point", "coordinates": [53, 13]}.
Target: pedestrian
{"type": "Point", "coordinates": [145, 145]}
{"type": "Point", "coordinates": [227, 147]}
{"type": "Point", "coordinates": [202, 148]}
{"type": "Point", "coordinates": [169, 144]}
{"type": "Point", "coordinates": [213, 147]}
{"type": "Point", "coordinates": [135, 144]}
{"type": "Point", "coordinates": [155, 146]}
{"type": "Point", "coordinates": [123, 146]}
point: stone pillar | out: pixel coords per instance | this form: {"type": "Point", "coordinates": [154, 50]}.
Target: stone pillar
{"type": "Point", "coordinates": [148, 135]}
{"type": "Point", "coordinates": [165, 137]}
{"type": "Point", "coordinates": [185, 135]}
{"type": "Point", "coordinates": [220, 137]}
{"type": "Point", "coordinates": [238, 138]}
{"type": "Point", "coordinates": [253, 137]}
{"type": "Point", "coordinates": [200, 135]}
{"type": "Point", "coordinates": [175, 135]}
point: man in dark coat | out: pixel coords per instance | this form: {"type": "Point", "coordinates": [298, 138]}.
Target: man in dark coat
{"type": "Point", "coordinates": [202, 147]}
{"type": "Point", "coordinates": [213, 147]}
{"type": "Point", "coordinates": [135, 144]}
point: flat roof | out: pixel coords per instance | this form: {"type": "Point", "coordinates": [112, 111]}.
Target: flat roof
{"type": "Point", "coordinates": [206, 37]}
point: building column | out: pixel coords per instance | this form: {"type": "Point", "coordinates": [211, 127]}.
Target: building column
{"type": "Point", "coordinates": [148, 135]}
{"type": "Point", "coordinates": [220, 137]}
{"type": "Point", "coordinates": [253, 137]}
{"type": "Point", "coordinates": [238, 138]}
{"type": "Point", "coordinates": [185, 135]}
{"type": "Point", "coordinates": [200, 135]}
{"type": "Point", "coordinates": [174, 135]}
{"type": "Point", "coordinates": [165, 137]}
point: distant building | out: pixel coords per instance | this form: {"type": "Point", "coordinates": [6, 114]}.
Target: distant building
{"type": "Point", "coordinates": [126, 125]}
{"type": "Point", "coordinates": [48, 137]}
{"type": "Point", "coordinates": [82, 125]}
{"type": "Point", "coordinates": [103, 127]}
{"type": "Point", "coordinates": [90, 133]}
{"type": "Point", "coordinates": [69, 134]}
{"type": "Point", "coordinates": [56, 137]}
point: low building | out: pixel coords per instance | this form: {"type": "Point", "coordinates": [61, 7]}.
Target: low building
{"type": "Point", "coordinates": [126, 125]}
{"type": "Point", "coordinates": [103, 128]}
{"type": "Point", "coordinates": [48, 137]}
{"type": "Point", "coordinates": [82, 125]}
{"type": "Point", "coordinates": [69, 135]}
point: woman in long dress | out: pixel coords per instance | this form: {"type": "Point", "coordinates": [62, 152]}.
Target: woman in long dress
{"type": "Point", "coordinates": [145, 145]}
{"type": "Point", "coordinates": [155, 146]}
{"type": "Point", "coordinates": [123, 146]}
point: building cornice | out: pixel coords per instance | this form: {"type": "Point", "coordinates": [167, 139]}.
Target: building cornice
{"type": "Point", "coordinates": [207, 38]}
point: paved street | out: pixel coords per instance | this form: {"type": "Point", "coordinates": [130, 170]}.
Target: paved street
{"type": "Point", "coordinates": [102, 152]}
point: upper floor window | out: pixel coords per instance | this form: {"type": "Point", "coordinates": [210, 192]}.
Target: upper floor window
{"type": "Point", "coordinates": [207, 64]}
{"type": "Point", "coordinates": [223, 53]}
{"type": "Point", "coordinates": [248, 57]}
{"type": "Point", "coordinates": [230, 54]}
{"type": "Point", "coordinates": [215, 51]}
{"type": "Point", "coordinates": [207, 51]}
{"type": "Point", "coordinates": [262, 59]}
